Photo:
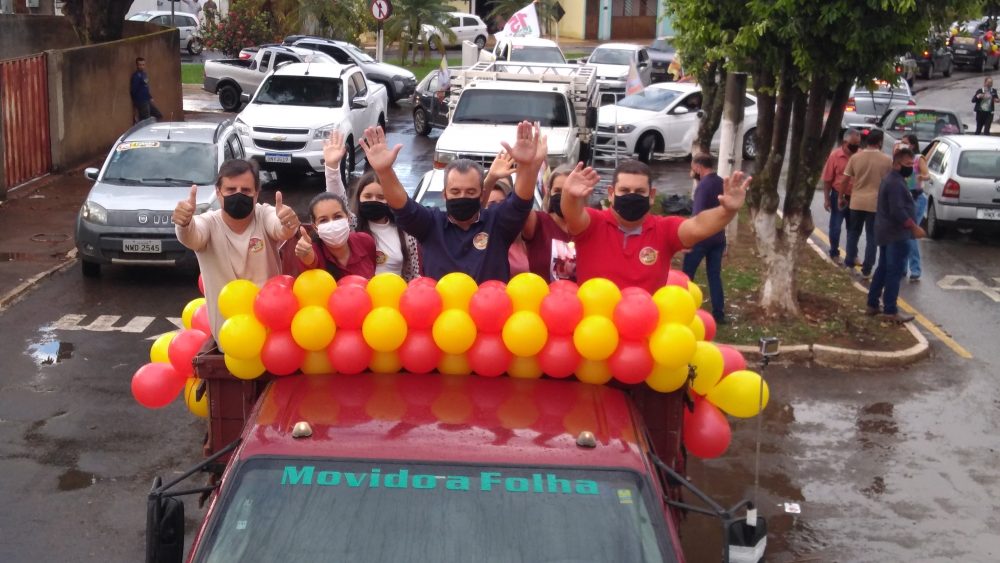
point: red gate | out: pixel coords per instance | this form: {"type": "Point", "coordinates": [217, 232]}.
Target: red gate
{"type": "Point", "coordinates": [24, 119]}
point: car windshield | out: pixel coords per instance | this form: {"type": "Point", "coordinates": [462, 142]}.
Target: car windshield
{"type": "Point", "coordinates": [306, 510]}
{"type": "Point", "coordinates": [662, 45]}
{"type": "Point", "coordinates": [925, 124]}
{"type": "Point", "coordinates": [311, 91]}
{"type": "Point", "coordinates": [652, 99]}
{"type": "Point", "coordinates": [611, 57]}
{"type": "Point", "coordinates": [979, 164]}
{"type": "Point", "coordinates": [163, 163]}
{"type": "Point", "coordinates": [365, 57]}
{"type": "Point", "coordinates": [522, 54]}
{"type": "Point", "coordinates": [510, 107]}
{"type": "Point", "coordinates": [963, 40]}
{"type": "Point", "coordinates": [882, 89]}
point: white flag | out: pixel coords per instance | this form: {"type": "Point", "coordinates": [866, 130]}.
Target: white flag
{"type": "Point", "coordinates": [633, 83]}
{"type": "Point", "coordinates": [445, 73]}
{"type": "Point", "coordinates": [524, 23]}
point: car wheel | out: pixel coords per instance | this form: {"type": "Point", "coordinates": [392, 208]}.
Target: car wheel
{"type": "Point", "coordinates": [646, 147]}
{"type": "Point", "coordinates": [90, 269]}
{"type": "Point", "coordinates": [229, 98]}
{"type": "Point", "coordinates": [420, 122]}
{"type": "Point", "coordinates": [195, 46]}
{"type": "Point", "coordinates": [480, 42]}
{"type": "Point", "coordinates": [928, 73]}
{"type": "Point", "coordinates": [347, 163]}
{"type": "Point", "coordinates": [750, 144]}
{"type": "Point", "coordinates": [935, 229]}
{"type": "Point", "coordinates": [947, 71]}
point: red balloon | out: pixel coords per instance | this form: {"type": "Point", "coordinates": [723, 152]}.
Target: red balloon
{"type": "Point", "coordinates": [156, 385]}
{"type": "Point", "coordinates": [709, 321]}
{"type": "Point", "coordinates": [200, 320]}
{"type": "Point", "coordinates": [352, 280]}
{"type": "Point", "coordinates": [280, 354]}
{"type": "Point", "coordinates": [489, 356]}
{"type": "Point", "coordinates": [706, 430]}
{"type": "Point", "coordinates": [420, 305]}
{"type": "Point", "coordinates": [183, 348]}
{"type": "Point", "coordinates": [559, 358]}
{"type": "Point", "coordinates": [678, 278]}
{"type": "Point", "coordinates": [201, 284]}
{"type": "Point", "coordinates": [635, 291]}
{"type": "Point", "coordinates": [282, 280]}
{"type": "Point", "coordinates": [349, 353]}
{"type": "Point", "coordinates": [732, 359]}
{"type": "Point", "coordinates": [423, 280]}
{"type": "Point", "coordinates": [631, 361]}
{"type": "Point", "coordinates": [493, 284]}
{"type": "Point", "coordinates": [561, 311]}
{"type": "Point", "coordinates": [349, 304]}
{"type": "Point", "coordinates": [636, 316]}
{"type": "Point", "coordinates": [490, 307]}
{"type": "Point", "coordinates": [563, 285]}
{"type": "Point", "coordinates": [419, 353]}
{"type": "Point", "coordinates": [275, 306]}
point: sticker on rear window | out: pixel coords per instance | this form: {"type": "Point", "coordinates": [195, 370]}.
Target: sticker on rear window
{"type": "Point", "coordinates": [137, 145]}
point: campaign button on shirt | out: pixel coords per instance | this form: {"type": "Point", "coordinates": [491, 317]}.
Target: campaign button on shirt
{"type": "Point", "coordinates": [256, 244]}
{"type": "Point", "coordinates": [481, 241]}
{"type": "Point", "coordinates": [648, 255]}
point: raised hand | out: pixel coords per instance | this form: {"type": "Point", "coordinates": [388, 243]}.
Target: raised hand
{"type": "Point", "coordinates": [334, 149]}
{"type": "Point", "coordinates": [304, 248]}
{"type": "Point", "coordinates": [289, 220]}
{"type": "Point", "coordinates": [734, 191]}
{"type": "Point", "coordinates": [377, 152]}
{"type": "Point", "coordinates": [185, 208]}
{"type": "Point", "coordinates": [581, 181]}
{"type": "Point", "coordinates": [503, 166]}
{"type": "Point", "coordinates": [526, 147]}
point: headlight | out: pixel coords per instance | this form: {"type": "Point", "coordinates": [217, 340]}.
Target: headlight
{"type": "Point", "coordinates": [441, 159]}
{"type": "Point", "coordinates": [621, 128]}
{"type": "Point", "coordinates": [399, 80]}
{"type": "Point", "coordinates": [94, 213]}
{"type": "Point", "coordinates": [324, 132]}
{"type": "Point", "coordinates": [242, 128]}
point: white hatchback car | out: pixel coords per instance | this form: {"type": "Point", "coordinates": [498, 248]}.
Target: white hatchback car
{"type": "Point", "coordinates": [186, 24]}
{"type": "Point", "coordinates": [466, 27]}
{"type": "Point", "coordinates": [964, 187]}
{"type": "Point", "coordinates": [663, 119]}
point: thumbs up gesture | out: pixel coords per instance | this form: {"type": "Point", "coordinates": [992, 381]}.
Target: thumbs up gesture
{"type": "Point", "coordinates": [185, 208]}
{"type": "Point", "coordinates": [304, 248]}
{"type": "Point", "coordinates": [289, 220]}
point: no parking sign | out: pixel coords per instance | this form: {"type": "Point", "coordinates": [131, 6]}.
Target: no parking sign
{"type": "Point", "coordinates": [381, 9]}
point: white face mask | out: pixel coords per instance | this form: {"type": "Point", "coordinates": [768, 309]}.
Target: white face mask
{"type": "Point", "coordinates": [334, 232]}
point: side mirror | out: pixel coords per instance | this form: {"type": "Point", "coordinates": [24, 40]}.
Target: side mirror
{"type": "Point", "coordinates": [91, 173]}
{"type": "Point", "coordinates": [680, 110]}
{"type": "Point", "coordinates": [359, 102]}
{"type": "Point", "coordinates": [965, 127]}
{"type": "Point", "coordinates": [245, 98]}
{"type": "Point", "coordinates": [164, 527]}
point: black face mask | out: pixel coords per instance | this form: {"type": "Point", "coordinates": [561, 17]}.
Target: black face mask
{"type": "Point", "coordinates": [853, 148]}
{"type": "Point", "coordinates": [462, 208]}
{"type": "Point", "coordinates": [374, 210]}
{"type": "Point", "coordinates": [238, 205]}
{"type": "Point", "coordinates": [555, 204]}
{"type": "Point", "coordinates": [631, 207]}
{"type": "Point", "coordinates": [905, 171]}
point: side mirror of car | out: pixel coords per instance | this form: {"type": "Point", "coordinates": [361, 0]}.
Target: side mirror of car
{"type": "Point", "coordinates": [359, 102]}
{"type": "Point", "coordinates": [245, 98]}
{"type": "Point", "coordinates": [91, 173]}
{"type": "Point", "coordinates": [680, 110]}
{"type": "Point", "coordinates": [965, 127]}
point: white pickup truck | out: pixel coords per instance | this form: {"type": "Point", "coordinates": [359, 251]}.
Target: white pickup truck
{"type": "Point", "coordinates": [231, 78]}
{"type": "Point", "coordinates": [489, 99]}
{"type": "Point", "coordinates": [297, 107]}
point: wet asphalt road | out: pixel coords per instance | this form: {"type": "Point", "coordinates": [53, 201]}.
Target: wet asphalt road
{"type": "Point", "coordinates": [896, 465]}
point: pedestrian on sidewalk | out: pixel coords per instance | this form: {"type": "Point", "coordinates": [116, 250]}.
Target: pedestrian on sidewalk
{"type": "Point", "coordinates": [706, 196]}
{"type": "Point", "coordinates": [142, 99]}
{"type": "Point", "coordinates": [915, 183]}
{"type": "Point", "coordinates": [895, 226]}
{"type": "Point", "coordinates": [836, 163]}
{"type": "Point", "coordinates": [859, 187]}
{"type": "Point", "coordinates": [983, 103]}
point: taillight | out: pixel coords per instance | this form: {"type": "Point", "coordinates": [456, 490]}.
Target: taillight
{"type": "Point", "coordinates": [927, 55]}
{"type": "Point", "coordinates": [851, 105]}
{"type": "Point", "coordinates": [911, 103]}
{"type": "Point", "coordinates": [899, 69]}
{"type": "Point", "coordinates": [951, 189]}
{"type": "Point", "coordinates": [979, 45]}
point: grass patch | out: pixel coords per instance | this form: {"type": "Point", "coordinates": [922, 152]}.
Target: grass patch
{"type": "Point", "coordinates": [192, 73]}
{"type": "Point", "coordinates": [832, 308]}
{"type": "Point", "coordinates": [421, 68]}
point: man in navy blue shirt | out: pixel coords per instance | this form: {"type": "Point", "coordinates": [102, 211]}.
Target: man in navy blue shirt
{"type": "Point", "coordinates": [464, 237]}
{"type": "Point", "coordinates": [142, 99]}
{"type": "Point", "coordinates": [706, 196]}
{"type": "Point", "coordinates": [895, 225]}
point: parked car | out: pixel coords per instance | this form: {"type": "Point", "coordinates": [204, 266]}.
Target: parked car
{"type": "Point", "coordinates": [935, 57]}
{"type": "Point", "coordinates": [924, 122]}
{"type": "Point", "coordinates": [612, 62]}
{"type": "Point", "coordinates": [661, 54]}
{"type": "Point", "coordinates": [127, 216]}
{"type": "Point", "coordinates": [465, 27]}
{"type": "Point", "coordinates": [661, 119]}
{"type": "Point", "coordinates": [430, 104]}
{"type": "Point", "coordinates": [964, 183]}
{"type": "Point", "coordinates": [186, 24]}
{"type": "Point", "coordinates": [524, 50]}
{"type": "Point", "coordinates": [975, 51]}
{"type": "Point", "coordinates": [231, 78]}
{"type": "Point", "coordinates": [399, 83]}
{"type": "Point", "coordinates": [868, 102]}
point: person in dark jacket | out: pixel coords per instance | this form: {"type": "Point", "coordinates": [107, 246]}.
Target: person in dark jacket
{"type": "Point", "coordinates": [142, 99]}
{"type": "Point", "coordinates": [706, 196]}
{"type": "Point", "coordinates": [984, 101]}
{"type": "Point", "coordinates": [895, 225]}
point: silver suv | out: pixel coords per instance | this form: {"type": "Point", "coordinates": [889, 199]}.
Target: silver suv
{"type": "Point", "coordinates": [126, 218]}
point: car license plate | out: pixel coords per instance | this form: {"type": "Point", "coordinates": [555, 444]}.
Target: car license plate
{"type": "Point", "coordinates": [961, 51]}
{"type": "Point", "coordinates": [988, 214]}
{"type": "Point", "coordinates": [142, 246]}
{"type": "Point", "coordinates": [278, 157]}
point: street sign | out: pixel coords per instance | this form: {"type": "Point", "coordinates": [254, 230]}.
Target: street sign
{"type": "Point", "coordinates": [381, 9]}
{"type": "Point", "coordinates": [558, 11]}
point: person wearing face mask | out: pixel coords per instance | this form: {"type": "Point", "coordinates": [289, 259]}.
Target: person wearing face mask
{"type": "Point", "coordinates": [333, 246]}
{"type": "Point", "coordinates": [711, 249]}
{"type": "Point", "coordinates": [895, 226]}
{"type": "Point", "coordinates": [545, 229]}
{"type": "Point", "coordinates": [239, 241]}
{"type": "Point", "coordinates": [915, 183]}
{"type": "Point", "coordinates": [395, 251]}
{"type": "Point", "coordinates": [627, 244]}
{"type": "Point", "coordinates": [833, 170]}
{"type": "Point", "coordinates": [517, 254]}
{"type": "Point", "coordinates": [463, 237]}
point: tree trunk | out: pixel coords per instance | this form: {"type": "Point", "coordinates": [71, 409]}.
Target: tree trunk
{"type": "Point", "coordinates": [97, 21]}
{"type": "Point", "coordinates": [713, 89]}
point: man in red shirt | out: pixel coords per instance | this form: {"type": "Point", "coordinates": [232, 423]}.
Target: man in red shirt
{"type": "Point", "coordinates": [836, 163]}
{"type": "Point", "coordinates": [627, 244]}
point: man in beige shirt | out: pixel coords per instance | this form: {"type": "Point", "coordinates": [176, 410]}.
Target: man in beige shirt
{"type": "Point", "coordinates": [239, 241]}
{"type": "Point", "coordinates": [859, 185]}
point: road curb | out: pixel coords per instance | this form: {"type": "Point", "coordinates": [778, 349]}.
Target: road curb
{"type": "Point", "coordinates": [13, 295]}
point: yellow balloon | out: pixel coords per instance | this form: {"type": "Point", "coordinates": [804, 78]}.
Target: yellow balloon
{"type": "Point", "coordinates": [197, 408]}
{"type": "Point", "coordinates": [526, 291]}
{"type": "Point", "coordinates": [675, 305]}
{"type": "Point", "coordinates": [707, 362]}
{"type": "Point", "coordinates": [236, 298]}
{"type": "Point", "coordinates": [245, 369]}
{"type": "Point", "coordinates": [665, 380]}
{"type": "Point", "coordinates": [384, 329]}
{"type": "Point", "coordinates": [697, 327]}
{"type": "Point", "coordinates": [313, 287]}
{"type": "Point", "coordinates": [739, 394]}
{"type": "Point", "coordinates": [385, 362]}
{"type": "Point", "coordinates": [454, 331]}
{"type": "Point", "coordinates": [595, 337]}
{"type": "Point", "coordinates": [454, 364]}
{"type": "Point", "coordinates": [599, 297]}
{"type": "Point", "coordinates": [313, 328]}
{"type": "Point", "coordinates": [158, 351]}
{"type": "Point", "coordinates": [190, 309]}
{"type": "Point", "coordinates": [525, 333]}
{"type": "Point", "coordinates": [523, 367]}
{"type": "Point", "coordinates": [591, 371]}
{"type": "Point", "coordinates": [696, 294]}
{"type": "Point", "coordinates": [242, 336]}
{"type": "Point", "coordinates": [672, 345]}
{"type": "Point", "coordinates": [316, 362]}
{"type": "Point", "coordinates": [456, 290]}
{"type": "Point", "coordinates": [385, 290]}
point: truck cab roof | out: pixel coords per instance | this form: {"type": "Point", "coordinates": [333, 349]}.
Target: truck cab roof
{"type": "Point", "coordinates": [325, 70]}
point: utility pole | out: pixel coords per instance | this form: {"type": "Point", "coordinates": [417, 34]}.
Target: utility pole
{"type": "Point", "coordinates": [731, 142]}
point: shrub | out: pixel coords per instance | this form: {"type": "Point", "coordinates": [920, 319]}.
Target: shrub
{"type": "Point", "coordinates": [244, 26]}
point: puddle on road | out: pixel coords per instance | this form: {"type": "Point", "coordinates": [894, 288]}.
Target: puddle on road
{"type": "Point", "coordinates": [49, 352]}
{"type": "Point", "coordinates": [73, 479]}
